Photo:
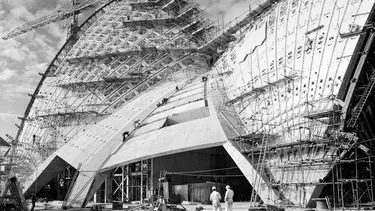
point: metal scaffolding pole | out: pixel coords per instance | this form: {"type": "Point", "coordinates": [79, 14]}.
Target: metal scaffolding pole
{"type": "Point", "coordinates": [141, 181]}
{"type": "Point", "coordinates": [122, 183]}
{"type": "Point", "coordinates": [127, 182]}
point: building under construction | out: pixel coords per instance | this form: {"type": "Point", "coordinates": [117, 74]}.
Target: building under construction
{"type": "Point", "coordinates": [277, 104]}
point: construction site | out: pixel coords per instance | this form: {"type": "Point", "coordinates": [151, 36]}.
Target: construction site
{"type": "Point", "coordinates": [150, 102]}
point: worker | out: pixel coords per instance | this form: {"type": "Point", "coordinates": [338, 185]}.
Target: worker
{"type": "Point", "coordinates": [125, 135]}
{"type": "Point", "coordinates": [215, 197]}
{"type": "Point", "coordinates": [137, 123]}
{"type": "Point", "coordinates": [164, 101]}
{"type": "Point", "coordinates": [228, 199]}
{"type": "Point", "coordinates": [33, 200]}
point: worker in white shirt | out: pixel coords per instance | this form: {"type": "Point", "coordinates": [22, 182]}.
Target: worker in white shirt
{"type": "Point", "coordinates": [215, 197]}
{"type": "Point", "coordinates": [228, 199]}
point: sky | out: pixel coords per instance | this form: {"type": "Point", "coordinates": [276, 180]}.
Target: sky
{"type": "Point", "coordinates": [23, 57]}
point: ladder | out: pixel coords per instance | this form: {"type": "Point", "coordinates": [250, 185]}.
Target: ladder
{"type": "Point", "coordinates": [71, 186]}
{"type": "Point", "coordinates": [13, 186]}
{"type": "Point", "coordinates": [361, 104]}
{"type": "Point", "coordinates": [259, 170]}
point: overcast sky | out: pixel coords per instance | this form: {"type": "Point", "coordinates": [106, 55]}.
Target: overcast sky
{"type": "Point", "coordinates": [23, 57]}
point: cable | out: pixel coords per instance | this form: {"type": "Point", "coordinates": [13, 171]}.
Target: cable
{"type": "Point", "coordinates": [202, 171]}
{"type": "Point", "coordinates": [203, 175]}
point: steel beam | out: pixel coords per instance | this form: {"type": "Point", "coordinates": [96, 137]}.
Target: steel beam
{"type": "Point", "coordinates": [355, 78]}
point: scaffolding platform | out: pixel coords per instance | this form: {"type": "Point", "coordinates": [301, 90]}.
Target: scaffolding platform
{"type": "Point", "coordinates": [261, 89]}
{"type": "Point", "coordinates": [140, 51]}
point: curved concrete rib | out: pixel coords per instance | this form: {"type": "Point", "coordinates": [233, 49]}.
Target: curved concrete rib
{"type": "Point", "coordinates": [92, 147]}
{"type": "Point", "coordinates": [268, 195]}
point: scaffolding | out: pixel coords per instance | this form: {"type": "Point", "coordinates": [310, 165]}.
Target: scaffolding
{"type": "Point", "coordinates": [341, 162]}
{"type": "Point", "coordinates": [349, 177]}
{"type": "Point", "coordinates": [111, 91]}
{"type": "Point", "coordinates": [133, 182]}
{"type": "Point", "coordinates": [77, 73]}
{"type": "Point", "coordinates": [254, 200]}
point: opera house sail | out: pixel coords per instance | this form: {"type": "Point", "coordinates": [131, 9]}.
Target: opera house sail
{"type": "Point", "coordinates": [284, 94]}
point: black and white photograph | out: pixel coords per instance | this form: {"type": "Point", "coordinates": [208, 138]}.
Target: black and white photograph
{"type": "Point", "coordinates": [187, 105]}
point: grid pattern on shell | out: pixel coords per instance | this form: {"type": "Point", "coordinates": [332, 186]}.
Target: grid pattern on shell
{"type": "Point", "coordinates": [110, 35]}
{"type": "Point", "coordinates": [76, 95]}
{"type": "Point", "coordinates": [298, 68]}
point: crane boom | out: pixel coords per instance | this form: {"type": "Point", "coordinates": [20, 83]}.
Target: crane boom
{"type": "Point", "coordinates": [56, 16]}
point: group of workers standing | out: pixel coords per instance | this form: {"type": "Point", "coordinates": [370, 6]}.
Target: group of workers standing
{"type": "Point", "coordinates": [215, 197]}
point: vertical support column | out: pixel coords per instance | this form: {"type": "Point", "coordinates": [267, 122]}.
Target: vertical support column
{"type": "Point", "coordinates": [356, 177]}
{"type": "Point", "coordinates": [334, 187]}
{"type": "Point", "coordinates": [108, 189]}
{"type": "Point", "coordinates": [105, 190]}
{"type": "Point", "coordinates": [58, 188]}
{"type": "Point", "coordinates": [122, 183]}
{"type": "Point", "coordinates": [371, 183]}
{"type": "Point", "coordinates": [152, 176]}
{"type": "Point", "coordinates": [142, 180]}
{"type": "Point", "coordinates": [95, 198]}
{"type": "Point", "coordinates": [127, 182]}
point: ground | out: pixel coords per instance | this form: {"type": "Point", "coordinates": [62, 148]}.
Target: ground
{"type": "Point", "coordinates": [56, 205]}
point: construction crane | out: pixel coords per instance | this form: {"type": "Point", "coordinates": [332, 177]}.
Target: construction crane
{"type": "Point", "coordinates": [70, 10]}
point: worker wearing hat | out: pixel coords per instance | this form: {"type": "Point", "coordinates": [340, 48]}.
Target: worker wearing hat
{"type": "Point", "coordinates": [215, 197]}
{"type": "Point", "coordinates": [228, 199]}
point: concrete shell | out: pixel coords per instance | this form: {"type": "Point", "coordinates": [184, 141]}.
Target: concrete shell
{"type": "Point", "coordinates": [283, 71]}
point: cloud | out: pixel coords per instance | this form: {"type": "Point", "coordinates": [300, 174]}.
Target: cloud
{"type": "Point", "coordinates": [13, 53]}
{"type": "Point", "coordinates": [4, 115]}
{"type": "Point", "coordinates": [22, 57]}
{"type": "Point", "coordinates": [21, 13]}
{"type": "Point", "coordinates": [15, 91]}
{"type": "Point", "coordinates": [56, 31]}
{"type": "Point", "coordinates": [6, 74]}
{"type": "Point", "coordinates": [34, 68]}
